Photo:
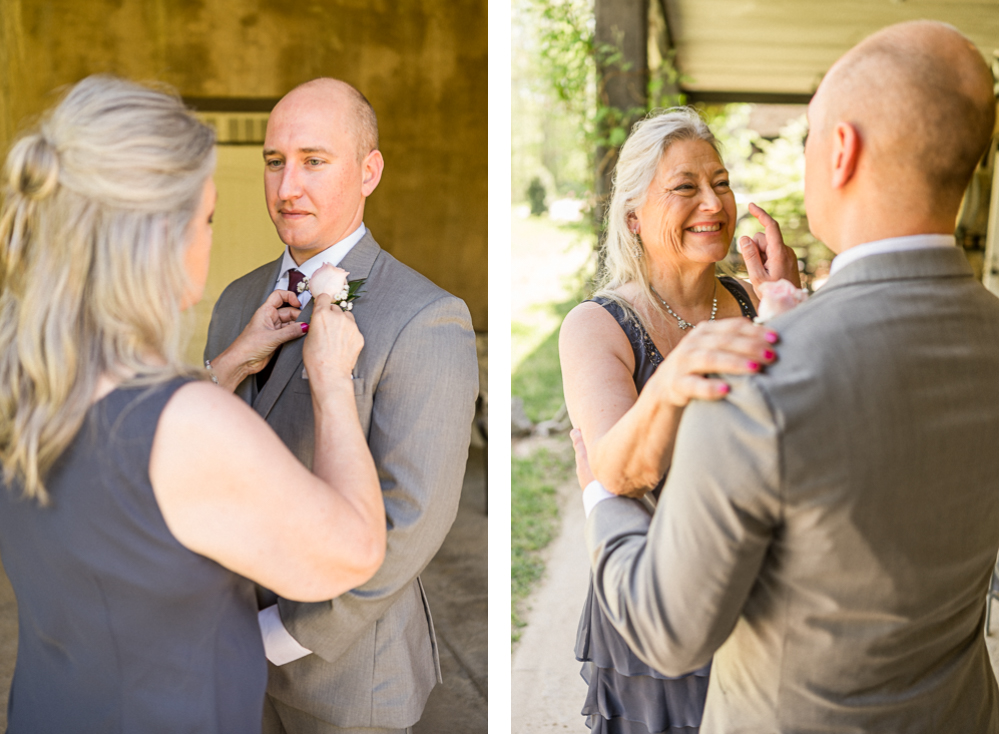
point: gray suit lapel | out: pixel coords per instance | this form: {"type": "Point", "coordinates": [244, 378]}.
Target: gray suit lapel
{"type": "Point", "coordinates": [247, 390]}
{"type": "Point", "coordinates": [288, 364]}
{"type": "Point", "coordinates": [358, 262]}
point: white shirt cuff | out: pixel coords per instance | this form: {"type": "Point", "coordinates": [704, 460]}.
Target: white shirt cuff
{"type": "Point", "coordinates": [279, 646]}
{"type": "Point", "coordinates": [594, 493]}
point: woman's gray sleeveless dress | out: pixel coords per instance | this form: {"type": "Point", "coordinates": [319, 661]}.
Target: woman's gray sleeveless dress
{"type": "Point", "coordinates": [121, 628]}
{"type": "Point", "coordinates": [624, 695]}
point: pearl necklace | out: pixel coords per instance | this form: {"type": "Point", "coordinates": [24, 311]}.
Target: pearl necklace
{"type": "Point", "coordinates": [683, 324]}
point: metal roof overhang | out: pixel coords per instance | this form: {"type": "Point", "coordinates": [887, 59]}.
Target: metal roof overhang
{"type": "Point", "coordinates": [777, 51]}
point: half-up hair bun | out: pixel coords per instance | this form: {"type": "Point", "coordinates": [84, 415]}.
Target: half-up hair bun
{"type": "Point", "coordinates": [33, 167]}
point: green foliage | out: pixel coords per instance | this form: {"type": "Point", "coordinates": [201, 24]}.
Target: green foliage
{"type": "Point", "coordinates": [536, 197]}
{"type": "Point", "coordinates": [534, 512]}
{"type": "Point", "coordinates": [770, 173]}
{"type": "Point", "coordinates": [549, 117]}
{"type": "Point", "coordinates": [565, 31]}
{"type": "Point", "coordinates": [575, 69]}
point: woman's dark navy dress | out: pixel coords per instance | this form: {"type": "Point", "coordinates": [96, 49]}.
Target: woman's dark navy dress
{"type": "Point", "coordinates": [624, 695]}
{"type": "Point", "coordinates": [121, 629]}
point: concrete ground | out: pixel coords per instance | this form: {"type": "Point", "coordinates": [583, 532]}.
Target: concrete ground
{"type": "Point", "coordinates": [455, 582]}
{"type": "Point", "coordinates": [547, 691]}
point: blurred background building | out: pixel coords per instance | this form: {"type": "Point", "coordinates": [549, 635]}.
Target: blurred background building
{"type": "Point", "coordinates": [423, 66]}
{"type": "Point", "coordinates": [421, 63]}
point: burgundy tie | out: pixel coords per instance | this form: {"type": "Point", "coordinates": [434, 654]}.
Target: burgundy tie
{"type": "Point", "coordinates": [294, 278]}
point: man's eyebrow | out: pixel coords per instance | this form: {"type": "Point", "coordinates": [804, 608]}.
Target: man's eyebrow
{"type": "Point", "coordinates": [316, 149]}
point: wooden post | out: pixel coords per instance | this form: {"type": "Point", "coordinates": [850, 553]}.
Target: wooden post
{"type": "Point", "coordinates": [621, 25]}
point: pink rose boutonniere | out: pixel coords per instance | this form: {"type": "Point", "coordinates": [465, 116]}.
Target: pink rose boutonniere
{"type": "Point", "coordinates": [333, 281]}
{"type": "Point", "coordinates": [777, 297]}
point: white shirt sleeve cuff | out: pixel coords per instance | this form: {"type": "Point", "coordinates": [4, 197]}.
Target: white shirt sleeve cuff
{"type": "Point", "coordinates": [279, 646]}
{"type": "Point", "coordinates": [594, 493]}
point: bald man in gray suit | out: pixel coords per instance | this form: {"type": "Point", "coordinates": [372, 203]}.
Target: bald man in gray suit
{"type": "Point", "coordinates": [366, 661]}
{"type": "Point", "coordinates": [827, 532]}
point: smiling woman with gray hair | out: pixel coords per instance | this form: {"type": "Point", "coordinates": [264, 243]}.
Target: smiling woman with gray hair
{"type": "Point", "coordinates": [633, 356]}
{"type": "Point", "coordinates": [136, 498]}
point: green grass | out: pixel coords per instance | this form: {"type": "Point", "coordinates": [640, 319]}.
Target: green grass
{"type": "Point", "coordinates": [534, 513]}
{"type": "Point", "coordinates": [538, 378]}
{"type": "Point", "coordinates": [550, 260]}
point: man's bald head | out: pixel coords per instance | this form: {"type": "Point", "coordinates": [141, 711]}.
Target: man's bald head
{"type": "Point", "coordinates": [325, 90]}
{"type": "Point", "coordinates": [921, 97]}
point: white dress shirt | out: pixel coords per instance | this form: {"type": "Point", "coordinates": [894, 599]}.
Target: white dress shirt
{"type": "Point", "coordinates": [279, 646]}
{"type": "Point", "coordinates": [595, 492]}
{"type": "Point", "coordinates": [892, 244]}
{"type": "Point", "coordinates": [332, 255]}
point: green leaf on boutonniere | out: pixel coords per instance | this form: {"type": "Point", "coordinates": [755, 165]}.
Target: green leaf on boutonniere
{"type": "Point", "coordinates": [354, 288]}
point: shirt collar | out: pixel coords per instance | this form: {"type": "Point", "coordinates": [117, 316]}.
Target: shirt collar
{"type": "Point", "coordinates": [892, 244]}
{"type": "Point", "coordinates": [333, 255]}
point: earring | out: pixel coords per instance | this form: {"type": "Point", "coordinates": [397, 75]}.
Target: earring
{"type": "Point", "coordinates": [637, 246]}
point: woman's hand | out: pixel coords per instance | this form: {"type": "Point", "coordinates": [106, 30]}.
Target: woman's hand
{"type": "Point", "coordinates": [766, 256]}
{"type": "Point", "coordinates": [329, 279]}
{"type": "Point", "coordinates": [333, 345]}
{"type": "Point", "coordinates": [272, 325]}
{"type": "Point", "coordinates": [729, 346]}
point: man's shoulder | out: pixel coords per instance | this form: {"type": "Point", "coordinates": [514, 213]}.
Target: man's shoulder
{"type": "Point", "coordinates": [390, 274]}
{"type": "Point", "coordinates": [404, 290]}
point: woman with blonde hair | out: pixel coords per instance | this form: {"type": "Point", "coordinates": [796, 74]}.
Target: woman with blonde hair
{"type": "Point", "coordinates": [137, 498]}
{"type": "Point", "coordinates": [632, 357]}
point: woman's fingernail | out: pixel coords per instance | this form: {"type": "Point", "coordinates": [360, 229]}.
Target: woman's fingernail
{"type": "Point", "coordinates": [753, 366]}
{"type": "Point", "coordinates": [724, 388]}
{"type": "Point", "coordinates": [768, 354]}
{"type": "Point", "coordinates": [305, 328]}
{"type": "Point", "coordinates": [771, 337]}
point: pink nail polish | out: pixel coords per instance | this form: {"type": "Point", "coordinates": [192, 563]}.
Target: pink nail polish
{"type": "Point", "coordinates": [753, 366]}
{"type": "Point", "coordinates": [724, 389]}
{"type": "Point", "coordinates": [305, 328]}
{"type": "Point", "coordinates": [772, 337]}
{"type": "Point", "coordinates": [768, 354]}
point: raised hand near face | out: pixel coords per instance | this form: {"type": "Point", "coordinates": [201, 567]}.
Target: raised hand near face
{"type": "Point", "coordinates": [767, 257]}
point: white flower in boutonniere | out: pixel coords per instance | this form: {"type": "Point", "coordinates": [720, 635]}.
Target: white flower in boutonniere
{"type": "Point", "coordinates": [777, 297]}
{"type": "Point", "coordinates": [333, 281]}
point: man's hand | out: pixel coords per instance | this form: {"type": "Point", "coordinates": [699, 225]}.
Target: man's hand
{"type": "Point", "coordinates": [767, 257]}
{"type": "Point", "coordinates": [272, 325]}
{"type": "Point", "coordinates": [583, 473]}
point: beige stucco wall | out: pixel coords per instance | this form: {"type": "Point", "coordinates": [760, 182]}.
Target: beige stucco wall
{"type": "Point", "coordinates": [422, 64]}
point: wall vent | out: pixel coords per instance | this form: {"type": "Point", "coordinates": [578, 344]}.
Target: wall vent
{"type": "Point", "coordinates": [236, 128]}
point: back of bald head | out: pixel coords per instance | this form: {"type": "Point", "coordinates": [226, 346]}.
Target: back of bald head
{"type": "Point", "coordinates": [364, 124]}
{"type": "Point", "coordinates": [921, 96]}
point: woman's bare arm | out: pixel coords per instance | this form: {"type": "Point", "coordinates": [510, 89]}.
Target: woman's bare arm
{"type": "Point", "coordinates": [230, 490]}
{"type": "Point", "coordinates": [629, 436]}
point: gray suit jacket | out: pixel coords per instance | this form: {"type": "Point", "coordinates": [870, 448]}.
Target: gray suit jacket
{"type": "Point", "coordinates": [830, 528]}
{"type": "Point", "coordinates": [375, 654]}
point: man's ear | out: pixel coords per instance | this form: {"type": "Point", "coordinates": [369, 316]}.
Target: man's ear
{"type": "Point", "coordinates": [846, 151]}
{"type": "Point", "coordinates": [371, 172]}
